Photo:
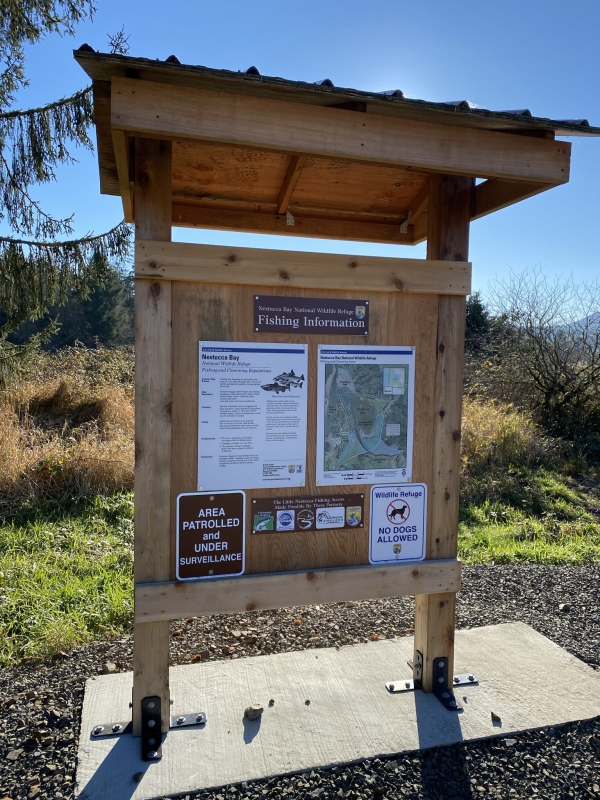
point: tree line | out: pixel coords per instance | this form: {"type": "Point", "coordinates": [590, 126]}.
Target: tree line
{"type": "Point", "coordinates": [537, 345]}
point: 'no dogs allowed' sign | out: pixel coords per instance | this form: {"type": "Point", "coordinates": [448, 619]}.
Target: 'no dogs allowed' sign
{"type": "Point", "coordinates": [398, 520]}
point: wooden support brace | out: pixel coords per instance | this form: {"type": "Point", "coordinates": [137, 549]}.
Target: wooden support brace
{"type": "Point", "coordinates": [152, 425]}
{"type": "Point", "coordinates": [292, 176]}
{"type": "Point", "coordinates": [448, 239]}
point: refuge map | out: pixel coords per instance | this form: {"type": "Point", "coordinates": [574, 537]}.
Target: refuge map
{"type": "Point", "coordinates": [366, 415]}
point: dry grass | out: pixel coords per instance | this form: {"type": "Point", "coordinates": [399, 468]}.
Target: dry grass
{"type": "Point", "coordinates": [68, 430]}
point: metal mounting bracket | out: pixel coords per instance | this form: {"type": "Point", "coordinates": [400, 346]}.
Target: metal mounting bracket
{"type": "Point", "coordinates": [289, 218]}
{"type": "Point", "coordinates": [151, 734]}
{"type": "Point", "coordinates": [406, 223]}
{"type": "Point", "coordinates": [441, 688]}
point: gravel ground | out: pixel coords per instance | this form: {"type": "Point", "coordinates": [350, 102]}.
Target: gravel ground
{"type": "Point", "coordinates": [40, 704]}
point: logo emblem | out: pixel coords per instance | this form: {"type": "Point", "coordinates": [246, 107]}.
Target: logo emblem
{"type": "Point", "coordinates": [306, 519]}
{"type": "Point", "coordinates": [285, 520]}
{"type": "Point", "coordinates": [292, 468]}
{"type": "Point", "coordinates": [360, 312]}
{"type": "Point", "coordinates": [353, 515]}
{"type": "Point", "coordinates": [398, 511]}
{"type": "Point", "coordinates": [263, 521]}
{"type": "Point", "coordinates": [397, 548]}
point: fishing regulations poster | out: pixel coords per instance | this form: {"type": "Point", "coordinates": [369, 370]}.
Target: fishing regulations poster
{"type": "Point", "coordinates": [365, 414]}
{"type": "Point", "coordinates": [252, 415]}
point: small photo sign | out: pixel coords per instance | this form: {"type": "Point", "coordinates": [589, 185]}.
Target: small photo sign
{"type": "Point", "coordinates": [398, 522]}
{"type": "Point", "coordinates": [315, 513]}
{"type": "Point", "coordinates": [310, 315]}
{"type": "Point", "coordinates": [210, 535]}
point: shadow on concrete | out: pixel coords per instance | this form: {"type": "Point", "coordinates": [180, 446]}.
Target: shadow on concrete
{"type": "Point", "coordinates": [114, 777]}
{"type": "Point", "coordinates": [437, 726]}
{"type": "Point", "coordinates": [251, 728]}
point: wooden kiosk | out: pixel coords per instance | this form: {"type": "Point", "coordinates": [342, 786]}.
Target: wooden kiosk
{"type": "Point", "coordinates": [196, 147]}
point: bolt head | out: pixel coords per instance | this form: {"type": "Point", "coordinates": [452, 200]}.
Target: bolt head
{"type": "Point", "coordinates": [199, 717]}
{"type": "Point", "coordinates": [456, 680]}
{"type": "Point", "coordinates": [116, 728]}
{"type": "Point", "coordinates": [442, 664]}
{"type": "Point", "coordinates": [453, 703]}
{"type": "Point", "coordinates": [440, 680]}
{"type": "Point", "coordinates": [151, 723]}
{"type": "Point", "coordinates": [445, 695]}
{"type": "Point", "coordinates": [407, 684]}
{"type": "Point", "coordinates": [180, 720]}
{"type": "Point", "coordinates": [471, 677]}
{"type": "Point", "coordinates": [392, 687]}
{"type": "Point", "coordinates": [151, 704]}
{"type": "Point", "coordinates": [152, 754]}
{"type": "Point", "coordinates": [98, 729]}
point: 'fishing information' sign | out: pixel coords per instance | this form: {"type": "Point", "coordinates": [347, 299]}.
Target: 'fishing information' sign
{"type": "Point", "coordinates": [210, 535]}
{"type": "Point", "coordinates": [398, 521]}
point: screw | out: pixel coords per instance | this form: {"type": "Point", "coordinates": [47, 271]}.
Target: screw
{"type": "Point", "coordinates": [152, 754]}
{"type": "Point", "coordinates": [456, 680]}
{"type": "Point", "coordinates": [116, 728]}
{"type": "Point", "coordinates": [180, 720]}
{"type": "Point", "coordinates": [98, 729]}
{"type": "Point", "coordinates": [407, 684]}
{"type": "Point", "coordinates": [151, 723]}
{"type": "Point", "coordinates": [199, 717]}
{"type": "Point", "coordinates": [445, 695]}
{"type": "Point", "coordinates": [440, 680]}
{"type": "Point", "coordinates": [151, 704]}
{"type": "Point", "coordinates": [471, 678]}
{"type": "Point", "coordinates": [442, 664]}
{"type": "Point", "coordinates": [151, 741]}
{"type": "Point", "coordinates": [392, 687]}
{"type": "Point", "coordinates": [453, 703]}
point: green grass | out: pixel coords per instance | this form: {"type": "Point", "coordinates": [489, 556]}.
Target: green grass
{"type": "Point", "coordinates": [65, 575]}
{"type": "Point", "coordinates": [530, 514]}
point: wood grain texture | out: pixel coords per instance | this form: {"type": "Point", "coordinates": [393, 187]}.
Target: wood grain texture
{"type": "Point", "coordinates": [107, 165]}
{"type": "Point", "coordinates": [152, 425]}
{"type": "Point", "coordinates": [448, 238]}
{"type": "Point", "coordinates": [204, 312]}
{"type": "Point", "coordinates": [302, 130]}
{"type": "Point", "coordinates": [244, 265]}
{"type": "Point", "coordinates": [173, 600]}
{"type": "Point", "coordinates": [316, 227]}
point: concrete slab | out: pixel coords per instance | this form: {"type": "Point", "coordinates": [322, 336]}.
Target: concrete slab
{"type": "Point", "coordinates": [526, 679]}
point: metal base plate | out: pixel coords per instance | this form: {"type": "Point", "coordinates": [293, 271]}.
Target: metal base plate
{"type": "Point", "coordinates": [403, 685]}
{"type": "Point", "coordinates": [117, 728]}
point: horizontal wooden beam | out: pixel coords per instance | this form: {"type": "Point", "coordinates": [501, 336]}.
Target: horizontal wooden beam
{"type": "Point", "coordinates": [179, 261]}
{"type": "Point", "coordinates": [175, 112]}
{"type": "Point", "coordinates": [494, 194]}
{"type": "Point", "coordinates": [313, 227]}
{"type": "Point", "coordinates": [174, 600]}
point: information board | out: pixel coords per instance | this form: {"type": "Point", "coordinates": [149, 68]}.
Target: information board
{"type": "Point", "coordinates": [252, 415]}
{"type": "Point", "coordinates": [365, 413]}
{"type": "Point", "coordinates": [210, 535]}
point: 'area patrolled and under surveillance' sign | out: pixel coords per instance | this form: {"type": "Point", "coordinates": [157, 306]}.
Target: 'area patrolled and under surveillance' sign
{"type": "Point", "coordinates": [398, 521]}
{"type": "Point", "coordinates": [210, 534]}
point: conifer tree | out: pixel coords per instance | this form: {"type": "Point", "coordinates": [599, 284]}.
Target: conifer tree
{"type": "Point", "coordinates": [41, 260]}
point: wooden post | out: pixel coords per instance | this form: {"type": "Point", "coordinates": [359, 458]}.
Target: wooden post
{"type": "Point", "coordinates": [152, 198]}
{"type": "Point", "coordinates": [448, 240]}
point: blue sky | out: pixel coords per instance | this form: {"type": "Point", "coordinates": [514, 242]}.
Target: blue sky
{"type": "Point", "coordinates": [538, 55]}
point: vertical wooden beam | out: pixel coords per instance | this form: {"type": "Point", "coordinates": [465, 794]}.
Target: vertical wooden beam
{"type": "Point", "coordinates": [152, 548]}
{"type": "Point", "coordinates": [448, 240]}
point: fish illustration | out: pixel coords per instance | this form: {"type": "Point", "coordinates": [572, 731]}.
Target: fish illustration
{"type": "Point", "coordinates": [267, 524]}
{"type": "Point", "coordinates": [276, 387]}
{"type": "Point", "coordinates": [290, 379]}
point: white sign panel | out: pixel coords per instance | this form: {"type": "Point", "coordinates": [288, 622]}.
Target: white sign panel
{"type": "Point", "coordinates": [365, 413]}
{"type": "Point", "coordinates": [398, 522]}
{"type": "Point", "coordinates": [252, 415]}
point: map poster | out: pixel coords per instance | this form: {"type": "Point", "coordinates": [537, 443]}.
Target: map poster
{"type": "Point", "coordinates": [365, 399]}
{"type": "Point", "coordinates": [398, 521]}
{"type": "Point", "coordinates": [315, 513]}
{"type": "Point", "coordinates": [252, 415]}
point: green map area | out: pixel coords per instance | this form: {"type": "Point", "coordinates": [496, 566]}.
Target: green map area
{"type": "Point", "coordinates": [366, 416]}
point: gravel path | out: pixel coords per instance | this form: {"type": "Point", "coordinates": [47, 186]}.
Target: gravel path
{"type": "Point", "coordinates": [40, 705]}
